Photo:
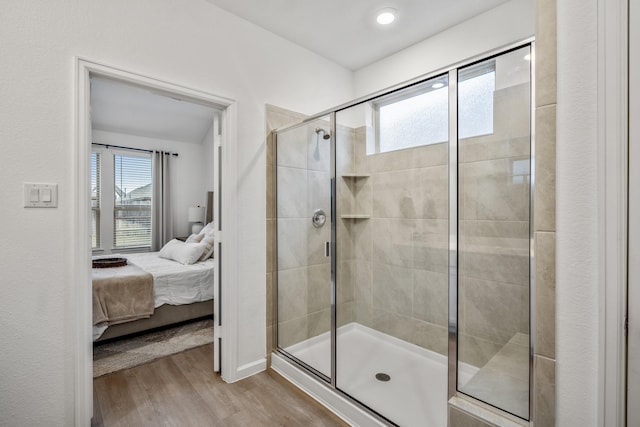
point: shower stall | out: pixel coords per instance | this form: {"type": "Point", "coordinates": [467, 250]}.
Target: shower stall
{"type": "Point", "coordinates": [403, 244]}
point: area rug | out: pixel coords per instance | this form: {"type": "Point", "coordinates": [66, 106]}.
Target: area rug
{"type": "Point", "coordinates": [129, 352]}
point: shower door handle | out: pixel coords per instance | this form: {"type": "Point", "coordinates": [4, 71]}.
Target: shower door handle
{"type": "Point", "coordinates": [327, 249]}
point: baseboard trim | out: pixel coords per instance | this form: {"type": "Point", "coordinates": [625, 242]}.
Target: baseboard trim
{"type": "Point", "coordinates": [250, 369]}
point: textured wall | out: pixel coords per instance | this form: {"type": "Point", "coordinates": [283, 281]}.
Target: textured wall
{"type": "Point", "coordinates": [190, 43]}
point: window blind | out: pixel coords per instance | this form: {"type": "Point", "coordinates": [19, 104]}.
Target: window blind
{"type": "Point", "coordinates": [95, 200]}
{"type": "Point", "coordinates": [132, 201]}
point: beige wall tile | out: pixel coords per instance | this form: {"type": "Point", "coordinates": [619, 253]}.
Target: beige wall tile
{"type": "Point", "coordinates": [545, 189]}
{"type": "Point", "coordinates": [344, 150]}
{"type": "Point", "coordinates": [507, 265]}
{"type": "Point", "coordinates": [544, 414]}
{"type": "Point", "coordinates": [319, 193]}
{"type": "Point", "coordinates": [393, 324]}
{"type": "Point", "coordinates": [429, 336]}
{"type": "Point", "coordinates": [319, 322]}
{"type": "Point", "coordinates": [489, 148]}
{"type": "Point", "coordinates": [430, 297]}
{"type": "Point", "coordinates": [490, 190]}
{"type": "Point", "coordinates": [271, 245]}
{"type": "Point", "coordinates": [392, 241]}
{"type": "Point", "coordinates": [545, 244]}
{"type": "Point", "coordinates": [270, 179]}
{"type": "Point", "coordinates": [270, 299]}
{"type": "Point", "coordinates": [292, 193]}
{"type": "Point", "coordinates": [393, 289]}
{"type": "Point", "coordinates": [476, 351]}
{"type": "Point", "coordinates": [291, 148]}
{"type": "Point", "coordinates": [292, 294]}
{"type": "Point", "coordinates": [293, 331]}
{"type": "Point", "coordinates": [318, 148]}
{"type": "Point", "coordinates": [316, 238]}
{"type": "Point", "coordinates": [546, 52]}
{"type": "Point", "coordinates": [394, 194]}
{"type": "Point", "coordinates": [345, 313]}
{"type": "Point", "coordinates": [490, 310]}
{"type": "Point", "coordinates": [292, 243]}
{"type": "Point", "coordinates": [459, 418]}
{"type": "Point", "coordinates": [433, 192]}
{"type": "Point", "coordinates": [431, 245]}
{"type": "Point", "coordinates": [319, 288]}
{"type": "Point", "coordinates": [512, 112]}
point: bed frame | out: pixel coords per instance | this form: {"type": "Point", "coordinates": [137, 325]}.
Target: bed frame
{"type": "Point", "coordinates": [164, 315]}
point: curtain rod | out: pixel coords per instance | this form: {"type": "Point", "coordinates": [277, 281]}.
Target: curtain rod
{"type": "Point", "coordinates": [130, 148]}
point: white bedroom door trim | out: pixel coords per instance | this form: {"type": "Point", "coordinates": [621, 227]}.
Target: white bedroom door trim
{"type": "Point", "coordinates": [613, 181]}
{"type": "Point", "coordinates": [80, 290]}
{"type": "Point", "coordinates": [633, 292]}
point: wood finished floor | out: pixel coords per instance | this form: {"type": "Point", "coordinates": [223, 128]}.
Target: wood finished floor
{"type": "Point", "coordinates": [181, 390]}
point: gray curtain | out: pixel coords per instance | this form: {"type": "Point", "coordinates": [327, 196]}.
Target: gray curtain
{"type": "Point", "coordinates": [161, 219]}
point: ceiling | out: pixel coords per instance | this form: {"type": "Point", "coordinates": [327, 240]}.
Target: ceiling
{"type": "Point", "coordinates": [345, 31]}
{"type": "Point", "coordinates": [133, 110]}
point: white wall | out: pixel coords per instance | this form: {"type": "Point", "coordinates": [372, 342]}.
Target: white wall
{"type": "Point", "coordinates": [187, 42]}
{"type": "Point", "coordinates": [511, 22]}
{"type": "Point", "coordinates": [577, 287]}
{"type": "Point", "coordinates": [188, 171]}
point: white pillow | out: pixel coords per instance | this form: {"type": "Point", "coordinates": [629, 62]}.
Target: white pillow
{"type": "Point", "coordinates": [207, 247]}
{"type": "Point", "coordinates": [209, 228]}
{"type": "Point", "coordinates": [182, 252]}
{"type": "Point", "coordinates": [194, 238]}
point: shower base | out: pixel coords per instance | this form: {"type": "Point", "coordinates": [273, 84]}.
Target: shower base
{"type": "Point", "coordinates": [414, 395]}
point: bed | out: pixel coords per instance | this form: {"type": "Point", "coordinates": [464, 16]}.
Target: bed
{"type": "Point", "coordinates": [179, 293]}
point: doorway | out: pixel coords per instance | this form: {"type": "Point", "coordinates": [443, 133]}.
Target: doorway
{"type": "Point", "coordinates": [222, 204]}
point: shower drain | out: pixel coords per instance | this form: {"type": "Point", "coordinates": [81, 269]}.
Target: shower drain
{"type": "Point", "coordinates": [380, 376]}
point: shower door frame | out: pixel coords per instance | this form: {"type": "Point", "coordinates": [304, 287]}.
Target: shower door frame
{"type": "Point", "coordinates": [452, 359]}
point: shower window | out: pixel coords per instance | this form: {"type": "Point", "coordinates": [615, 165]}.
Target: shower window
{"type": "Point", "coordinates": [476, 86]}
{"type": "Point", "coordinates": [413, 118]}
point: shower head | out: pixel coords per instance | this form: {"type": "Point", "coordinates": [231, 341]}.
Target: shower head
{"type": "Point", "coordinates": [326, 135]}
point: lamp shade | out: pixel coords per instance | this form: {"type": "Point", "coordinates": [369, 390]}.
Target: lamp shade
{"type": "Point", "coordinates": [196, 214]}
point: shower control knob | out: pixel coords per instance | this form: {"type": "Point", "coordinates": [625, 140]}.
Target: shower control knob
{"type": "Point", "coordinates": [319, 218]}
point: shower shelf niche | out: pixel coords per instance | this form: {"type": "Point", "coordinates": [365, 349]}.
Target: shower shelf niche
{"type": "Point", "coordinates": [355, 181]}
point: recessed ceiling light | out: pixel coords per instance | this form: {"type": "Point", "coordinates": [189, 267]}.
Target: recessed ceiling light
{"type": "Point", "coordinates": [527, 57]}
{"type": "Point", "coordinates": [386, 16]}
{"type": "Point", "coordinates": [437, 85]}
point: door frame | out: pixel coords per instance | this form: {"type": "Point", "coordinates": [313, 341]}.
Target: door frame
{"type": "Point", "coordinates": [632, 389]}
{"type": "Point", "coordinates": [80, 264]}
{"type": "Point", "coordinates": [613, 179]}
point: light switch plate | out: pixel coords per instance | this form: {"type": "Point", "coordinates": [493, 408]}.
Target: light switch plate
{"type": "Point", "coordinates": [40, 195]}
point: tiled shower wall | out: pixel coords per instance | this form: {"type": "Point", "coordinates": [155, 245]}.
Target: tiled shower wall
{"type": "Point", "coordinates": [304, 272]}
{"type": "Point", "coordinates": [394, 254]}
{"type": "Point", "coordinates": [275, 118]}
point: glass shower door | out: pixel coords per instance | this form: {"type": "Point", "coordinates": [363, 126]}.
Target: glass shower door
{"type": "Point", "coordinates": [303, 212]}
{"type": "Point", "coordinates": [392, 252]}
{"type": "Point", "coordinates": [494, 219]}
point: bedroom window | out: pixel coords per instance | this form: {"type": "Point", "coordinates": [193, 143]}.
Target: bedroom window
{"type": "Point", "coordinates": [132, 203]}
{"type": "Point", "coordinates": [95, 200]}
{"type": "Point", "coordinates": [121, 222]}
